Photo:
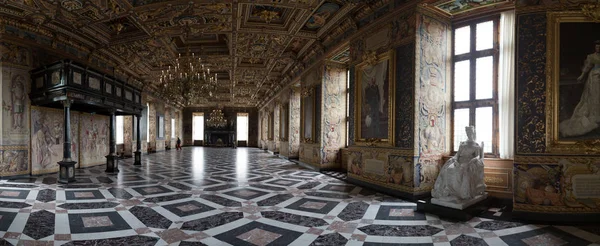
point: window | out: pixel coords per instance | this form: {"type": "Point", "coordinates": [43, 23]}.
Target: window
{"type": "Point", "coordinates": [147, 122]}
{"type": "Point", "coordinates": [283, 125]}
{"type": "Point", "coordinates": [119, 128]}
{"type": "Point", "coordinates": [161, 127]}
{"type": "Point", "coordinates": [271, 125]}
{"type": "Point", "coordinates": [242, 127]}
{"type": "Point", "coordinates": [475, 100]}
{"type": "Point", "coordinates": [198, 126]}
{"type": "Point", "coordinates": [173, 128]}
{"type": "Point", "coordinates": [347, 107]}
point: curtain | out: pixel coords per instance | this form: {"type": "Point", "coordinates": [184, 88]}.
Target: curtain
{"type": "Point", "coordinates": [506, 84]}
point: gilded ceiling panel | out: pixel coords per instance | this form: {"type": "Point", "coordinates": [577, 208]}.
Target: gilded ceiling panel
{"type": "Point", "coordinates": [255, 46]}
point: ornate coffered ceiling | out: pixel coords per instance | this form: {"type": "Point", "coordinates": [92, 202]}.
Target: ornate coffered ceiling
{"type": "Point", "coordinates": [256, 47]}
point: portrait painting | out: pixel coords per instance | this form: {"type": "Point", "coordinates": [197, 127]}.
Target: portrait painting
{"type": "Point", "coordinates": [579, 81]}
{"type": "Point", "coordinates": [320, 17]}
{"type": "Point", "coordinates": [574, 86]}
{"type": "Point", "coordinates": [374, 88]}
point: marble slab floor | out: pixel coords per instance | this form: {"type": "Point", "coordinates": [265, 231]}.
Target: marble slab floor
{"type": "Point", "coordinates": [244, 196]}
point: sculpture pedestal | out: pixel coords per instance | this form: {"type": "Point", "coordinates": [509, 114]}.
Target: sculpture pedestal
{"type": "Point", "coordinates": [138, 158]}
{"type": "Point", "coordinates": [459, 204]}
{"type": "Point", "coordinates": [112, 164]}
{"type": "Point", "coordinates": [66, 172]}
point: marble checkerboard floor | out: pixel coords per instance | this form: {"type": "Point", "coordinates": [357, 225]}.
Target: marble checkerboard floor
{"type": "Point", "coordinates": [244, 196]}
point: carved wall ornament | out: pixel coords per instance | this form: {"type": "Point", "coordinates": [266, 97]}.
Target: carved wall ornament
{"type": "Point", "coordinates": [370, 57]}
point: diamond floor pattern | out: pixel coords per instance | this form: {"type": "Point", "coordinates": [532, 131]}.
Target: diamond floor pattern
{"type": "Point", "coordinates": [244, 196]}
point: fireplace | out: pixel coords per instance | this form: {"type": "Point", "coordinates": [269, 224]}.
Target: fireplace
{"type": "Point", "coordinates": [227, 138]}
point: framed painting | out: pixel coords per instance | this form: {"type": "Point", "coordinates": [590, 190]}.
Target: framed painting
{"type": "Point", "coordinates": [374, 101]}
{"type": "Point", "coordinates": [573, 73]}
{"type": "Point", "coordinates": [307, 110]}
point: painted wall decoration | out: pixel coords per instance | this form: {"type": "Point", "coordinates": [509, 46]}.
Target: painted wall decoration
{"type": "Point", "coordinates": [571, 185]}
{"type": "Point", "coordinates": [14, 54]}
{"type": "Point", "coordinates": [531, 83]}
{"type": "Point", "coordinates": [334, 114]}
{"type": "Point", "coordinates": [128, 137]}
{"type": "Point", "coordinates": [320, 17]}
{"type": "Point", "coordinates": [403, 28]}
{"type": "Point", "coordinates": [405, 57]}
{"type": "Point", "coordinates": [433, 93]}
{"type": "Point", "coordinates": [573, 83]}
{"type": "Point", "coordinates": [294, 113]}
{"type": "Point", "coordinates": [400, 170]}
{"type": "Point", "coordinates": [310, 154]}
{"type": "Point", "coordinates": [433, 97]}
{"type": "Point", "coordinates": [276, 121]}
{"type": "Point", "coordinates": [15, 106]}
{"type": "Point", "coordinates": [94, 134]}
{"type": "Point", "coordinates": [152, 124]}
{"type": "Point", "coordinates": [47, 139]}
{"type": "Point", "coordinates": [374, 94]}
{"type": "Point", "coordinates": [14, 162]}
{"type": "Point", "coordinates": [354, 163]}
{"type": "Point", "coordinates": [460, 6]}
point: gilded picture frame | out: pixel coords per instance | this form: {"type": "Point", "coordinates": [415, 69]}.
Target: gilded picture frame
{"type": "Point", "coordinates": [565, 90]}
{"type": "Point", "coordinates": [383, 138]}
{"type": "Point", "coordinates": [308, 95]}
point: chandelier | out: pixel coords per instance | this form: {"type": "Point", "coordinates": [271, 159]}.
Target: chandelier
{"type": "Point", "coordinates": [187, 81]}
{"type": "Point", "coordinates": [216, 119]}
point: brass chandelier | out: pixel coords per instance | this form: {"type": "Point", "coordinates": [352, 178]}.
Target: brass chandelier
{"type": "Point", "coordinates": [187, 81]}
{"type": "Point", "coordinates": [216, 119]}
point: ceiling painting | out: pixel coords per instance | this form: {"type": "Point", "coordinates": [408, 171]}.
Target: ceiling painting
{"type": "Point", "coordinates": [256, 47]}
{"type": "Point", "coordinates": [321, 16]}
{"type": "Point", "coordinates": [455, 7]}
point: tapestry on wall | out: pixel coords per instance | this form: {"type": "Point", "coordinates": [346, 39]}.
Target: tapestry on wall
{"type": "Point", "coordinates": [15, 105]}
{"type": "Point", "coordinates": [334, 114]}
{"type": "Point", "coordinates": [294, 136]}
{"type": "Point", "coordinates": [433, 95]}
{"type": "Point", "coordinates": [94, 139]}
{"type": "Point", "coordinates": [47, 139]}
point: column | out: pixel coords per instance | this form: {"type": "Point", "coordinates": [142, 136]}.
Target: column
{"type": "Point", "coordinates": [138, 143]}
{"type": "Point", "coordinates": [112, 160]}
{"type": "Point", "coordinates": [66, 172]}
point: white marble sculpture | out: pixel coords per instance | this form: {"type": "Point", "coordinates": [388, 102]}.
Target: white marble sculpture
{"type": "Point", "coordinates": [460, 182]}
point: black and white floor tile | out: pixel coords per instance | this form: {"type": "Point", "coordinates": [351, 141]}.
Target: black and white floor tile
{"type": "Point", "coordinates": [208, 196]}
